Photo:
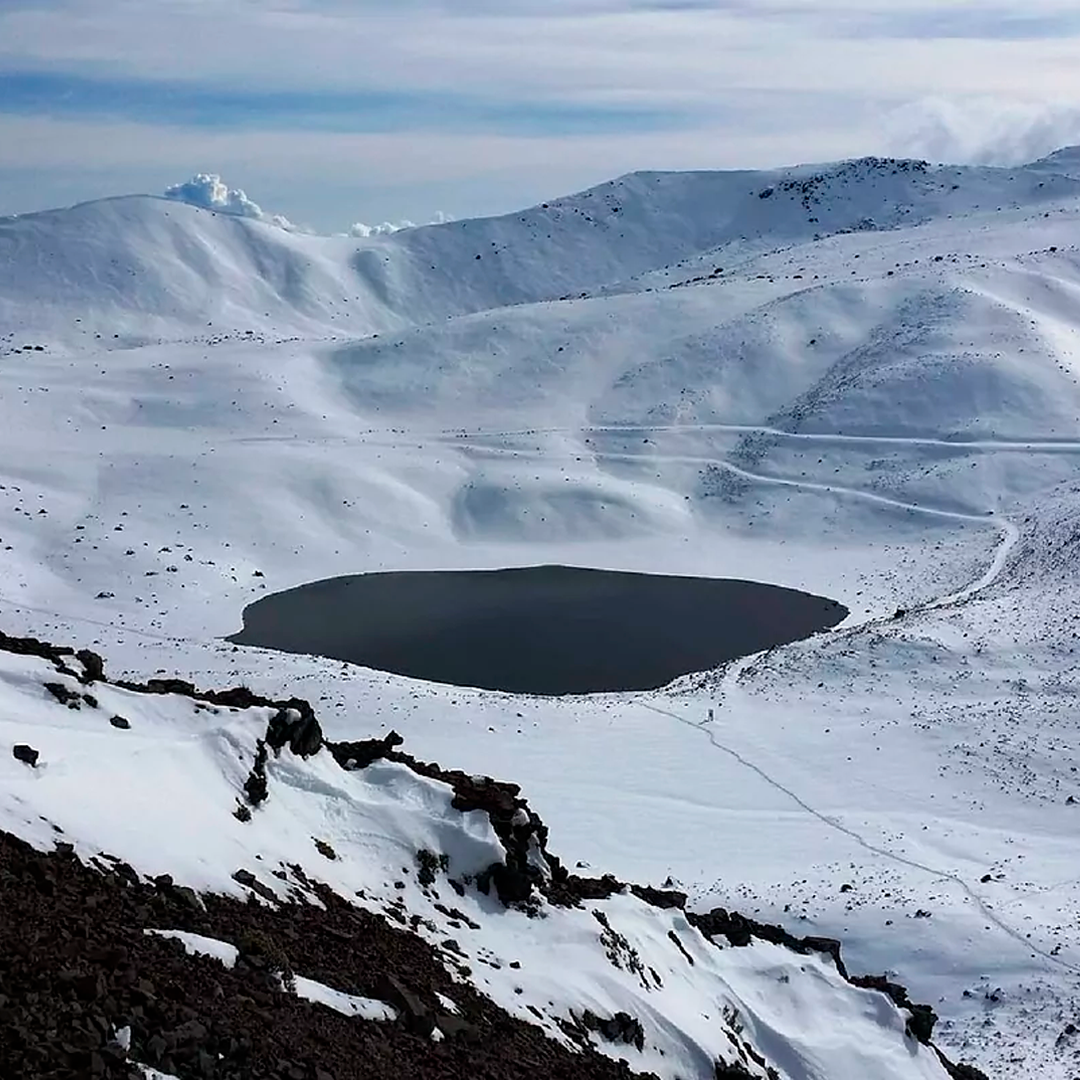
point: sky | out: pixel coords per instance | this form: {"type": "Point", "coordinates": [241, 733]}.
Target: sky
{"type": "Point", "coordinates": [335, 112]}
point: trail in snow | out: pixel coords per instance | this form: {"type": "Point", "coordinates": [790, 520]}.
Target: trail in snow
{"type": "Point", "coordinates": [1027, 445]}
{"type": "Point", "coordinates": [805, 485]}
{"type": "Point", "coordinates": [457, 435]}
{"type": "Point", "coordinates": [729, 686]}
{"type": "Point", "coordinates": [885, 853]}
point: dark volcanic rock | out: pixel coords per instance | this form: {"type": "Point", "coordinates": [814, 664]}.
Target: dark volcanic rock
{"type": "Point", "coordinates": [419, 1019]}
{"type": "Point", "coordinates": [26, 754]}
{"type": "Point", "coordinates": [923, 1018]}
{"type": "Point", "coordinates": [296, 726]}
{"type": "Point", "coordinates": [255, 785]}
{"type": "Point", "coordinates": [364, 752]}
{"type": "Point", "coordinates": [78, 967]}
{"type": "Point", "coordinates": [660, 898]}
{"type": "Point", "coordinates": [57, 655]}
{"type": "Point", "coordinates": [70, 698]}
{"type": "Point", "coordinates": [739, 930]}
{"type": "Point", "coordinates": [93, 666]}
{"type": "Point", "coordinates": [620, 1028]}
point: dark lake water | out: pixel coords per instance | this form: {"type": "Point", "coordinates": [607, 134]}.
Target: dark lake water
{"type": "Point", "coordinates": [536, 630]}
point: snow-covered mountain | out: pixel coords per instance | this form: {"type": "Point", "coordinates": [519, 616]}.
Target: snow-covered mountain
{"type": "Point", "coordinates": [859, 380]}
{"type": "Point", "coordinates": [150, 267]}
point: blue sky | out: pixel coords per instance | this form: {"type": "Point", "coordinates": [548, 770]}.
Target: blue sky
{"type": "Point", "coordinates": [333, 111]}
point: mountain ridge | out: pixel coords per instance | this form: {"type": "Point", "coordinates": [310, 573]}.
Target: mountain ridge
{"type": "Point", "coordinates": [160, 264]}
{"type": "Point", "coordinates": [885, 416]}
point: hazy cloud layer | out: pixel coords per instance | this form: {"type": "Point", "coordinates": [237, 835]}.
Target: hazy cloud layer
{"type": "Point", "coordinates": [989, 130]}
{"type": "Point", "coordinates": [498, 96]}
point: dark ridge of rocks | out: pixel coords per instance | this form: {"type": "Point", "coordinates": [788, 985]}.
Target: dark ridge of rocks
{"type": "Point", "coordinates": [923, 1018]}
{"type": "Point", "coordinates": [518, 828]}
{"type": "Point", "coordinates": [255, 786]}
{"type": "Point", "coordinates": [660, 898]}
{"type": "Point", "coordinates": [961, 1071]}
{"type": "Point", "coordinates": [620, 1028]}
{"type": "Point", "coordinates": [57, 655]}
{"type": "Point", "coordinates": [78, 969]}
{"type": "Point", "coordinates": [93, 666]}
{"type": "Point", "coordinates": [294, 722]}
{"type": "Point", "coordinates": [739, 930]}
{"type": "Point", "coordinates": [514, 823]}
{"type": "Point", "coordinates": [517, 880]}
{"type": "Point", "coordinates": [297, 727]}
{"type": "Point", "coordinates": [364, 752]}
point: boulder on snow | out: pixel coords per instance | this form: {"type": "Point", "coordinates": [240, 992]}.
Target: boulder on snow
{"type": "Point", "coordinates": [26, 754]}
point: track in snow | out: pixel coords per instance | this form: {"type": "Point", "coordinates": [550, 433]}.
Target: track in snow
{"type": "Point", "coordinates": [944, 875]}
{"type": "Point", "coordinates": [729, 686]}
{"type": "Point", "coordinates": [1027, 445]}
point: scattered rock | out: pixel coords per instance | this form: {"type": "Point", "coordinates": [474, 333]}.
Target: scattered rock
{"type": "Point", "coordinates": [120, 722]}
{"type": "Point", "coordinates": [620, 1028]}
{"type": "Point", "coordinates": [93, 666]}
{"type": "Point", "coordinates": [26, 754]}
{"type": "Point", "coordinates": [324, 849]}
{"type": "Point", "coordinates": [65, 696]}
{"type": "Point", "coordinates": [255, 786]}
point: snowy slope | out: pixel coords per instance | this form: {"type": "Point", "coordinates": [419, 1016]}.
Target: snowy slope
{"type": "Point", "coordinates": [139, 269]}
{"type": "Point", "coordinates": [177, 772]}
{"type": "Point", "coordinates": [880, 406]}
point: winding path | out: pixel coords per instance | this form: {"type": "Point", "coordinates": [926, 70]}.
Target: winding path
{"type": "Point", "coordinates": [944, 875]}
{"type": "Point", "coordinates": [729, 686]}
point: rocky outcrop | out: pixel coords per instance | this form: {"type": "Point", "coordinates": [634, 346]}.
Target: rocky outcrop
{"type": "Point", "coordinates": [739, 930]}
{"type": "Point", "coordinates": [922, 1017]}
{"type": "Point", "coordinates": [86, 992]}
{"type": "Point", "coordinates": [188, 1028]}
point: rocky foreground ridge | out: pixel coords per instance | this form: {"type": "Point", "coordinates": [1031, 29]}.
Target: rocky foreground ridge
{"type": "Point", "coordinates": [305, 983]}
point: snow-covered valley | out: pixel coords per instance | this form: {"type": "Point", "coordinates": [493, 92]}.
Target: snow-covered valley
{"type": "Point", "coordinates": [860, 381]}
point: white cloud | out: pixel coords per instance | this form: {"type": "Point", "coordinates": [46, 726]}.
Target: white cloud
{"type": "Point", "coordinates": [211, 193]}
{"type": "Point", "coordinates": [733, 83]}
{"type": "Point", "coordinates": [387, 227]}
{"type": "Point", "coordinates": [984, 130]}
